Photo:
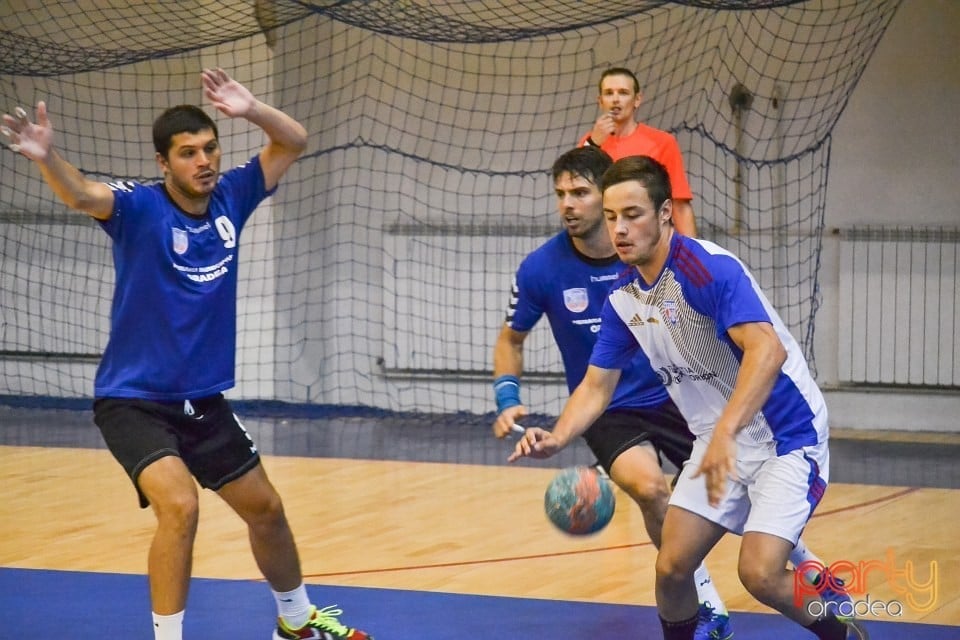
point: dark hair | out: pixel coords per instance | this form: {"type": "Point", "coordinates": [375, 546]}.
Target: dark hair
{"type": "Point", "coordinates": [586, 162]}
{"type": "Point", "coordinates": [182, 118]}
{"type": "Point", "coordinates": [645, 170]}
{"type": "Point", "coordinates": [619, 71]}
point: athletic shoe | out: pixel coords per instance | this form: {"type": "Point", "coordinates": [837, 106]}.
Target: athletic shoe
{"type": "Point", "coordinates": [712, 625]}
{"type": "Point", "coordinates": [839, 597]}
{"type": "Point", "coordinates": [322, 625]}
{"type": "Point", "coordinates": [855, 631]}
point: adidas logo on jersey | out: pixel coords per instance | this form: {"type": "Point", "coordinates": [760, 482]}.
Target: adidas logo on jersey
{"type": "Point", "coordinates": [637, 321]}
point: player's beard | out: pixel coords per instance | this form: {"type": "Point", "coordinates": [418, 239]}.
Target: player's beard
{"type": "Point", "coordinates": [584, 228]}
{"type": "Point", "coordinates": [647, 250]}
{"type": "Point", "coordinates": [195, 188]}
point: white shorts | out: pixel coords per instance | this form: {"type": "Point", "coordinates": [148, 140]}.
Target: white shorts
{"type": "Point", "coordinates": [775, 495]}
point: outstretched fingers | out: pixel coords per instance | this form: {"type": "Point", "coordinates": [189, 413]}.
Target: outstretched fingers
{"type": "Point", "coordinates": [212, 79]}
{"type": "Point", "coordinates": [22, 136]}
{"type": "Point", "coordinates": [226, 94]}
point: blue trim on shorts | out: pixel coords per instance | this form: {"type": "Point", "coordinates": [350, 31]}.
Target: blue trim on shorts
{"type": "Point", "coordinates": [817, 485]}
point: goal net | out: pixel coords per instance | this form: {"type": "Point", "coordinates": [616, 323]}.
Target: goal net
{"type": "Point", "coordinates": [379, 273]}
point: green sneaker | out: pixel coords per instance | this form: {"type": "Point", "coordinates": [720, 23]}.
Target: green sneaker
{"type": "Point", "coordinates": [322, 625]}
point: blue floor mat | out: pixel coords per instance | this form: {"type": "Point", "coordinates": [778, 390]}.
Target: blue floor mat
{"type": "Point", "coordinates": [94, 606]}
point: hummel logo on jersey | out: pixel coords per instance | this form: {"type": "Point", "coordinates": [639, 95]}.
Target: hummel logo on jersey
{"type": "Point", "coordinates": [637, 321]}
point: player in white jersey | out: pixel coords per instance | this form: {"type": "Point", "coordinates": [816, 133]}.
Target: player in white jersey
{"type": "Point", "coordinates": [760, 461]}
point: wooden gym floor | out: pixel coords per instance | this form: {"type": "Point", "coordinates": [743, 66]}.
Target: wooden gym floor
{"type": "Point", "coordinates": [421, 531]}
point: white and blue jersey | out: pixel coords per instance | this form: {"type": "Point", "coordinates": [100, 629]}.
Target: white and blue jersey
{"type": "Point", "coordinates": [681, 323]}
{"type": "Point", "coordinates": [173, 320]}
{"type": "Point", "coordinates": [570, 289]}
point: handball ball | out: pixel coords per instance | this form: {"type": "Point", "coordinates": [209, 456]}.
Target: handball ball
{"type": "Point", "coordinates": [579, 500]}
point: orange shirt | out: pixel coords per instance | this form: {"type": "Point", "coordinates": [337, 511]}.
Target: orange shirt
{"type": "Point", "coordinates": [659, 145]}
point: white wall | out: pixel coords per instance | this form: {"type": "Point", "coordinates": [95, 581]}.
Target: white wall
{"type": "Point", "coordinates": [895, 160]}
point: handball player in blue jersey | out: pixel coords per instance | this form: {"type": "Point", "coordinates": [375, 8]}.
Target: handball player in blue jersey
{"type": "Point", "coordinates": [760, 458]}
{"type": "Point", "coordinates": [171, 350]}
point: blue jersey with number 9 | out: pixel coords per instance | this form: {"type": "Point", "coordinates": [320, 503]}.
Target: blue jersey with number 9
{"type": "Point", "coordinates": [173, 322]}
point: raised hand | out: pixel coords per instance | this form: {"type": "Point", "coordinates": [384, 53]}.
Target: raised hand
{"type": "Point", "coordinates": [32, 139]}
{"type": "Point", "coordinates": [227, 95]}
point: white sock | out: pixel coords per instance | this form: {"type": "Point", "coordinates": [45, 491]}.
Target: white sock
{"type": "Point", "coordinates": [706, 592]}
{"type": "Point", "coordinates": [801, 554]}
{"type": "Point", "coordinates": [168, 627]}
{"type": "Point", "coordinates": [293, 606]}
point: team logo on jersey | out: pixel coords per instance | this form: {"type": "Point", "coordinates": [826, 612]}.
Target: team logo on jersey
{"type": "Point", "coordinates": [670, 311]}
{"type": "Point", "coordinates": [180, 241]}
{"type": "Point", "coordinates": [575, 299]}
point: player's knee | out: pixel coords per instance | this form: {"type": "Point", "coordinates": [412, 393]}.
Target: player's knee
{"type": "Point", "coordinates": [672, 569]}
{"type": "Point", "coordinates": [273, 507]}
{"type": "Point", "coordinates": [267, 512]}
{"type": "Point", "coordinates": [646, 486]}
{"type": "Point", "coordinates": [181, 509]}
{"type": "Point", "coordinates": [758, 580]}
{"type": "Point", "coordinates": [649, 493]}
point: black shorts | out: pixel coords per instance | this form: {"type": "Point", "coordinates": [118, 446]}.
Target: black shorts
{"type": "Point", "coordinates": [211, 441]}
{"type": "Point", "coordinates": [662, 426]}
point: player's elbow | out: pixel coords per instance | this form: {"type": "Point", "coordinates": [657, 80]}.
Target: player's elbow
{"type": "Point", "coordinates": [297, 143]}
{"type": "Point", "coordinates": [776, 354]}
{"type": "Point", "coordinates": [761, 342]}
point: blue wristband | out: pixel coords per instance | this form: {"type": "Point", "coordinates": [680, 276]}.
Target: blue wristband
{"type": "Point", "coordinates": [506, 390]}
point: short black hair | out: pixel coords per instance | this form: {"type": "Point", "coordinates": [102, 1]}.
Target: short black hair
{"type": "Point", "coordinates": [645, 170]}
{"type": "Point", "coordinates": [619, 71]}
{"type": "Point", "coordinates": [586, 162]}
{"type": "Point", "coordinates": [182, 118]}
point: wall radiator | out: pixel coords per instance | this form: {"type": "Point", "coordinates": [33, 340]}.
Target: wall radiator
{"type": "Point", "coordinates": [446, 290]}
{"type": "Point", "coordinates": [898, 306]}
